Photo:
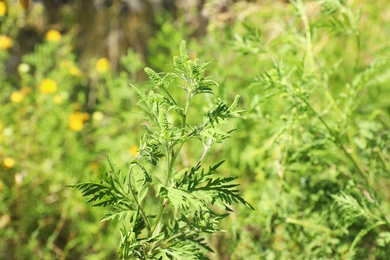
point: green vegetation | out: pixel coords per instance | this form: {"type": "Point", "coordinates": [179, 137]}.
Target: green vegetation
{"type": "Point", "coordinates": [306, 147]}
{"type": "Point", "coordinates": [189, 192]}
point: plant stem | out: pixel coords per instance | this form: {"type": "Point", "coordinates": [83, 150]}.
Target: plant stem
{"type": "Point", "coordinates": [309, 46]}
{"type": "Point", "coordinates": [139, 208]}
{"type": "Point", "coordinates": [170, 161]}
{"type": "Point", "coordinates": [337, 140]}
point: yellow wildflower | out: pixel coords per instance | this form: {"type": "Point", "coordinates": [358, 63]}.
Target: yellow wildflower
{"type": "Point", "coordinates": [3, 8]}
{"type": "Point", "coordinates": [74, 71]}
{"type": "Point", "coordinates": [48, 86]}
{"type": "Point", "coordinates": [5, 42]}
{"type": "Point", "coordinates": [17, 96]}
{"type": "Point", "coordinates": [193, 55]}
{"type": "Point", "coordinates": [8, 162]}
{"type": "Point", "coordinates": [58, 99]}
{"type": "Point", "coordinates": [102, 65]}
{"type": "Point", "coordinates": [18, 179]}
{"type": "Point", "coordinates": [65, 63]}
{"type": "Point", "coordinates": [4, 219]}
{"type": "Point", "coordinates": [97, 116]}
{"type": "Point", "coordinates": [76, 121]}
{"type": "Point", "coordinates": [53, 36]}
{"type": "Point", "coordinates": [23, 68]}
{"type": "Point", "coordinates": [76, 106]}
{"type": "Point", "coordinates": [26, 90]}
{"type": "Point", "coordinates": [86, 116]}
{"type": "Point", "coordinates": [133, 150]}
{"type": "Point", "coordinates": [94, 166]}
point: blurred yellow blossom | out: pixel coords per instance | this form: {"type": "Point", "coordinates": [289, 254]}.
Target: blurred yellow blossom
{"type": "Point", "coordinates": [58, 99]}
{"type": "Point", "coordinates": [193, 55]}
{"type": "Point", "coordinates": [86, 116]}
{"type": "Point", "coordinates": [134, 150]}
{"type": "Point", "coordinates": [18, 179]}
{"type": "Point", "coordinates": [53, 36]}
{"type": "Point", "coordinates": [5, 42]}
{"type": "Point", "coordinates": [76, 120]}
{"type": "Point", "coordinates": [17, 96]}
{"type": "Point", "coordinates": [8, 162]}
{"type": "Point", "coordinates": [102, 65]}
{"type": "Point", "coordinates": [76, 106]}
{"type": "Point", "coordinates": [23, 68]}
{"type": "Point", "coordinates": [4, 219]}
{"type": "Point", "coordinates": [74, 71]}
{"type": "Point", "coordinates": [26, 90]}
{"type": "Point", "coordinates": [94, 166]}
{"type": "Point", "coordinates": [48, 86]}
{"type": "Point", "coordinates": [3, 8]}
{"type": "Point", "coordinates": [97, 116]}
{"type": "Point", "coordinates": [65, 63]}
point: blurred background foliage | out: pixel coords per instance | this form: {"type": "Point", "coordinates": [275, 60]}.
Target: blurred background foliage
{"type": "Point", "coordinates": [320, 190]}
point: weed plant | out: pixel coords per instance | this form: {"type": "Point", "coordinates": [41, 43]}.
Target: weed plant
{"type": "Point", "coordinates": [330, 160]}
{"type": "Point", "coordinates": [187, 201]}
{"type": "Point", "coordinates": [311, 150]}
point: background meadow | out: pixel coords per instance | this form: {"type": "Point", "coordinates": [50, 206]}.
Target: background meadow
{"type": "Point", "coordinates": [311, 152]}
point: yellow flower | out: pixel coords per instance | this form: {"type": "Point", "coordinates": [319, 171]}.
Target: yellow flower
{"type": "Point", "coordinates": [3, 8]}
{"type": "Point", "coordinates": [133, 150]}
{"type": "Point", "coordinates": [53, 36]}
{"type": "Point", "coordinates": [94, 166]}
{"type": "Point", "coordinates": [86, 116]}
{"type": "Point", "coordinates": [193, 55]}
{"type": "Point", "coordinates": [76, 106]}
{"type": "Point", "coordinates": [48, 86]}
{"type": "Point", "coordinates": [18, 179]}
{"type": "Point", "coordinates": [8, 162]}
{"type": "Point", "coordinates": [65, 63]}
{"type": "Point", "coordinates": [5, 42]}
{"type": "Point", "coordinates": [97, 116]}
{"type": "Point", "coordinates": [102, 65]}
{"type": "Point", "coordinates": [76, 120]}
{"type": "Point", "coordinates": [58, 100]}
{"type": "Point", "coordinates": [74, 71]}
{"type": "Point", "coordinates": [17, 96]}
{"type": "Point", "coordinates": [23, 68]}
{"type": "Point", "coordinates": [26, 90]}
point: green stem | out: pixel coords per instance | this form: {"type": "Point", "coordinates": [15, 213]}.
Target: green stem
{"type": "Point", "coordinates": [161, 204]}
{"type": "Point", "coordinates": [182, 233]}
{"type": "Point", "coordinates": [170, 161]}
{"type": "Point", "coordinates": [306, 24]}
{"type": "Point", "coordinates": [351, 155]}
{"type": "Point", "coordinates": [159, 215]}
{"type": "Point", "coordinates": [139, 208]}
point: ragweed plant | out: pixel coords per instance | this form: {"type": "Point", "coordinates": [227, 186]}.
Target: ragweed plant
{"type": "Point", "coordinates": [168, 208]}
{"type": "Point", "coordinates": [331, 146]}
